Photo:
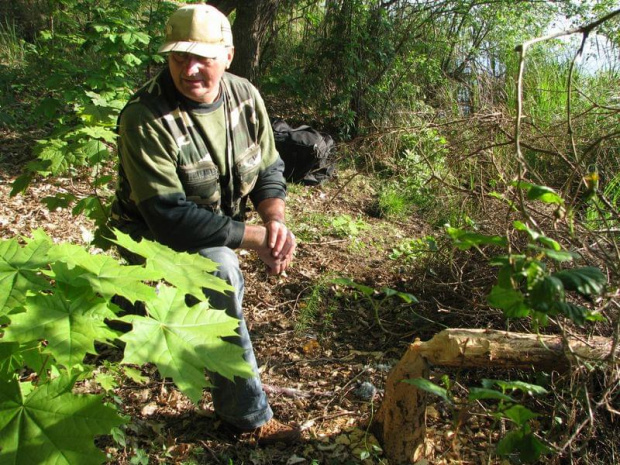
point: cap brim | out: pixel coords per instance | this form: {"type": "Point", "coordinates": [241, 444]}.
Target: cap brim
{"type": "Point", "coordinates": [197, 48]}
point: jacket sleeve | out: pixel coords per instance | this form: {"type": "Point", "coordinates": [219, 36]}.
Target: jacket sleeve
{"type": "Point", "coordinates": [148, 155]}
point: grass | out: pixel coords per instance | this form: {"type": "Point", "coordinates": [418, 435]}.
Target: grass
{"type": "Point", "coordinates": [13, 49]}
{"type": "Point", "coordinates": [315, 310]}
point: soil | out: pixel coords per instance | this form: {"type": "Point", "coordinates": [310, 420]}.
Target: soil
{"type": "Point", "coordinates": [323, 355]}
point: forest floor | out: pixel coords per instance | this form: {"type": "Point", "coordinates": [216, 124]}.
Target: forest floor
{"type": "Point", "coordinates": [323, 355]}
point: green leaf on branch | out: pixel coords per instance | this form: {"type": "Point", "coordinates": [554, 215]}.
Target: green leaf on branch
{"type": "Point", "coordinates": [19, 271]}
{"type": "Point", "coordinates": [519, 414]}
{"type": "Point", "coordinates": [9, 358]}
{"type": "Point", "coordinates": [509, 300]}
{"type": "Point", "coordinates": [361, 288]}
{"type": "Point", "coordinates": [93, 208]}
{"type": "Point", "coordinates": [61, 200]}
{"type": "Point", "coordinates": [404, 296]}
{"type": "Point", "coordinates": [51, 425]}
{"type": "Point", "coordinates": [182, 341]}
{"type": "Point", "coordinates": [488, 394]}
{"type": "Point", "coordinates": [545, 293]}
{"type": "Point", "coordinates": [21, 183]}
{"type": "Point", "coordinates": [99, 133]}
{"type": "Point", "coordinates": [528, 446]}
{"type": "Point", "coordinates": [130, 38]}
{"type": "Point", "coordinates": [574, 312]}
{"type": "Point", "coordinates": [59, 154]}
{"type": "Point", "coordinates": [557, 255]}
{"type": "Point", "coordinates": [188, 272]}
{"type": "Point", "coordinates": [543, 193]}
{"type": "Point", "coordinates": [587, 280]}
{"type": "Point", "coordinates": [94, 115]}
{"type": "Point", "coordinates": [465, 240]}
{"type": "Point", "coordinates": [102, 273]}
{"type": "Point", "coordinates": [70, 320]}
{"type": "Point", "coordinates": [522, 386]}
{"type": "Point", "coordinates": [131, 59]}
{"type": "Point", "coordinates": [430, 387]}
{"type": "Point", "coordinates": [536, 236]}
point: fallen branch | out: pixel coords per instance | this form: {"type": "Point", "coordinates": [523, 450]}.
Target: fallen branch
{"type": "Point", "coordinates": [295, 393]}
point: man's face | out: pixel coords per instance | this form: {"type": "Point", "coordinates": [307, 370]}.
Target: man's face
{"type": "Point", "coordinates": [198, 78]}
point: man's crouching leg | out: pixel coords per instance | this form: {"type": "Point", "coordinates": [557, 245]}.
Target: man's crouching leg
{"type": "Point", "coordinates": [241, 403]}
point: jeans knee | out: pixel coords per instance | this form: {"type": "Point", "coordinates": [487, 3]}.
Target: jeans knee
{"type": "Point", "coordinates": [227, 263]}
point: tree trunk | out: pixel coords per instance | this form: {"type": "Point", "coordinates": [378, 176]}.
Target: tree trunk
{"type": "Point", "coordinates": [252, 23]}
{"type": "Point", "coordinates": [400, 421]}
{"type": "Point", "coordinates": [253, 20]}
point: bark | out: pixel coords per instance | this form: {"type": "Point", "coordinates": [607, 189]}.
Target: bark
{"type": "Point", "coordinates": [400, 421]}
{"type": "Point", "coordinates": [253, 21]}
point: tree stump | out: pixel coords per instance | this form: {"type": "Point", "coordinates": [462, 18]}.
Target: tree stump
{"type": "Point", "coordinates": [400, 422]}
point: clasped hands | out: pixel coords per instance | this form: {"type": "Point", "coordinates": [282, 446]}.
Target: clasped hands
{"type": "Point", "coordinates": [281, 243]}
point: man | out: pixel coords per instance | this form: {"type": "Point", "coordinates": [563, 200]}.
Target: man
{"type": "Point", "coordinates": [194, 144]}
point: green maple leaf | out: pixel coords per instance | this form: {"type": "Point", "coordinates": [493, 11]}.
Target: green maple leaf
{"type": "Point", "coordinates": [102, 273]}
{"type": "Point", "coordinates": [189, 272]}
{"type": "Point", "coordinates": [49, 424]}
{"type": "Point", "coordinates": [19, 271]}
{"type": "Point", "coordinates": [182, 341]}
{"type": "Point", "coordinates": [70, 320]}
{"type": "Point", "coordinates": [9, 358]}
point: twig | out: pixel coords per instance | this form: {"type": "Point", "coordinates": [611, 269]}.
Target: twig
{"type": "Point", "coordinates": [342, 188]}
{"type": "Point", "coordinates": [295, 393]}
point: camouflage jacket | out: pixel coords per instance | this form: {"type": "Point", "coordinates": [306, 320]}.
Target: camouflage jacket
{"type": "Point", "coordinates": [187, 169]}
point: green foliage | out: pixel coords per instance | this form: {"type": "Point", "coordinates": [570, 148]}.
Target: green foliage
{"type": "Point", "coordinates": [110, 50]}
{"type": "Point", "coordinates": [181, 341]}
{"type": "Point", "coordinates": [345, 226]}
{"type": "Point", "coordinates": [316, 308]}
{"type": "Point", "coordinates": [49, 424]}
{"type": "Point", "coordinates": [410, 249]}
{"type": "Point", "coordinates": [521, 440]}
{"type": "Point", "coordinates": [392, 202]}
{"type": "Point", "coordinates": [408, 182]}
{"type": "Point", "coordinates": [56, 300]}
{"type": "Point", "coordinates": [598, 215]}
{"type": "Point", "coordinates": [13, 49]}
{"type": "Point", "coordinates": [432, 388]}
{"type": "Point", "coordinates": [526, 286]}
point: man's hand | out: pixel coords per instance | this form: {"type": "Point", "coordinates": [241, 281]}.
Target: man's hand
{"type": "Point", "coordinates": [280, 239]}
{"type": "Point", "coordinates": [274, 244]}
{"type": "Point", "coordinates": [274, 265]}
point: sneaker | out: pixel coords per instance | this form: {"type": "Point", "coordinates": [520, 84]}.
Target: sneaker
{"type": "Point", "coordinates": [273, 431]}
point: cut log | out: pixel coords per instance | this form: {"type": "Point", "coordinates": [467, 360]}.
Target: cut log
{"type": "Point", "coordinates": [400, 422]}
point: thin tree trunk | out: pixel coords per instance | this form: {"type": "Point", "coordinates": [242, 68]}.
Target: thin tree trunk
{"type": "Point", "coordinates": [253, 21]}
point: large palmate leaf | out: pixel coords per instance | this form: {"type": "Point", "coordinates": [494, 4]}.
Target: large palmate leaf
{"type": "Point", "coordinates": [52, 425]}
{"type": "Point", "coordinates": [102, 273]}
{"type": "Point", "coordinates": [182, 341]}
{"type": "Point", "coordinates": [188, 272]}
{"type": "Point", "coordinates": [70, 320]}
{"type": "Point", "coordinates": [19, 271]}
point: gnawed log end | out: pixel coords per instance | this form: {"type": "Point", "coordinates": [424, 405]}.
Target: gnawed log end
{"type": "Point", "coordinates": [400, 422]}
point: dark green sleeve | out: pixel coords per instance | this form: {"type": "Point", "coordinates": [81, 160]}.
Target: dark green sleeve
{"type": "Point", "coordinates": [148, 154]}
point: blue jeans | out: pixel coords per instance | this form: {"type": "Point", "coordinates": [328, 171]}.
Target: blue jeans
{"type": "Point", "coordinates": [241, 402]}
